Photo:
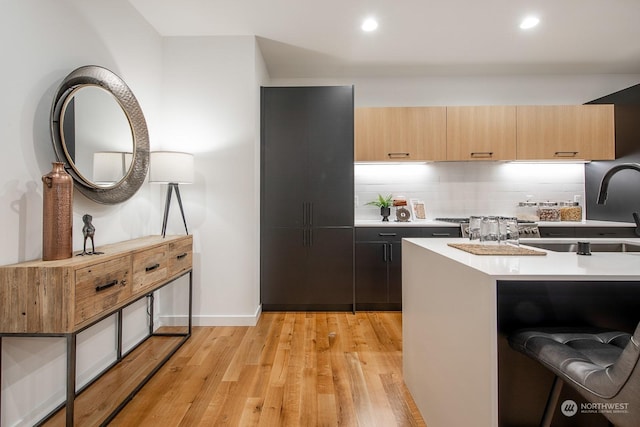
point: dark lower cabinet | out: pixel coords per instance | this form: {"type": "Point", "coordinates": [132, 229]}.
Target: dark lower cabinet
{"type": "Point", "coordinates": [378, 264]}
{"type": "Point", "coordinates": [587, 232]}
{"type": "Point", "coordinates": [307, 269]}
{"type": "Point", "coordinates": [378, 276]}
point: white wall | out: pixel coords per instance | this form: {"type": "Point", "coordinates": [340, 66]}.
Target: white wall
{"type": "Point", "coordinates": [461, 189]}
{"type": "Point", "coordinates": [42, 41]}
{"type": "Point", "coordinates": [211, 108]}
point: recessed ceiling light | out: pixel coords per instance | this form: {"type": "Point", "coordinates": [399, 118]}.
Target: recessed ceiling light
{"type": "Point", "coordinates": [529, 22]}
{"type": "Point", "coordinates": [369, 24]}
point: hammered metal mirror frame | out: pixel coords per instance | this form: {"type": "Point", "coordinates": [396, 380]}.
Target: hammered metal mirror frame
{"type": "Point", "coordinates": [93, 75]}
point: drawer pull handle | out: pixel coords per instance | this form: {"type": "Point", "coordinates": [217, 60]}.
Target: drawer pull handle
{"type": "Point", "coordinates": [398, 155]}
{"type": "Point", "coordinates": [152, 267]}
{"type": "Point", "coordinates": [482, 154]}
{"type": "Point", "coordinates": [566, 153]}
{"type": "Point", "coordinates": [181, 255]}
{"type": "Point", "coordinates": [387, 234]}
{"type": "Point", "coordinates": [106, 285]}
{"type": "Point", "coordinates": [441, 234]}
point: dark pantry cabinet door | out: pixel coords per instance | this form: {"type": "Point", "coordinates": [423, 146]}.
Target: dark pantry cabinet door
{"type": "Point", "coordinates": [307, 174]}
{"type": "Point", "coordinates": [307, 276]}
{"type": "Point", "coordinates": [307, 198]}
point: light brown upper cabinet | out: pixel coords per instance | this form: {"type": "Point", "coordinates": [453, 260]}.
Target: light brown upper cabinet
{"type": "Point", "coordinates": [393, 134]}
{"type": "Point", "coordinates": [481, 133]}
{"type": "Point", "coordinates": [583, 132]}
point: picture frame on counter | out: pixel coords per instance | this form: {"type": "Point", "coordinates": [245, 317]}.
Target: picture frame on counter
{"type": "Point", "coordinates": [418, 209]}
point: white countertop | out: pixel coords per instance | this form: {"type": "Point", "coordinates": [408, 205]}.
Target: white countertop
{"type": "Point", "coordinates": [553, 266]}
{"type": "Point", "coordinates": [432, 223]}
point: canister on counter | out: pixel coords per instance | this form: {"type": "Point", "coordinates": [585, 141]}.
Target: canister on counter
{"type": "Point", "coordinates": [549, 211]}
{"type": "Point", "coordinates": [570, 211]}
{"type": "Point", "coordinates": [527, 211]}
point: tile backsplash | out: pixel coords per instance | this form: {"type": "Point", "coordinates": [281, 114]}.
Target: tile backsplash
{"type": "Point", "coordinates": [460, 189]}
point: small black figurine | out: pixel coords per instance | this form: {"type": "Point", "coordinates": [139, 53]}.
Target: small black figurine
{"type": "Point", "coordinates": [89, 231]}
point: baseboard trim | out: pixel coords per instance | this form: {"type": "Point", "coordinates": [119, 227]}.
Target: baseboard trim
{"type": "Point", "coordinates": [214, 319]}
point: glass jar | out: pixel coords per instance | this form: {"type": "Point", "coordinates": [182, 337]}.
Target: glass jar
{"type": "Point", "coordinates": [527, 211]}
{"type": "Point", "coordinates": [548, 211]}
{"type": "Point", "coordinates": [570, 211]}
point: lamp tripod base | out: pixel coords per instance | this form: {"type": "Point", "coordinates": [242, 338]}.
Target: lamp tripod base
{"type": "Point", "coordinates": [172, 186]}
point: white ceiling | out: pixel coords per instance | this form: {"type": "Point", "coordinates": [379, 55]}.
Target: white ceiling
{"type": "Point", "coordinates": [322, 38]}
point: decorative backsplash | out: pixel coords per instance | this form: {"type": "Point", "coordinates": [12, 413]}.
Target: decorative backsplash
{"type": "Point", "coordinates": [459, 189]}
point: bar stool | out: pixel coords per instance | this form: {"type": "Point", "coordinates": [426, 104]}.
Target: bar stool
{"type": "Point", "coordinates": [602, 365]}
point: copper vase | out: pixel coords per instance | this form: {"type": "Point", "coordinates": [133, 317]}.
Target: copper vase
{"type": "Point", "coordinates": [57, 214]}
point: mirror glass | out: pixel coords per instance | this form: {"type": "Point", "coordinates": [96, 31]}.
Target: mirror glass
{"type": "Point", "coordinates": [97, 136]}
{"type": "Point", "coordinates": [100, 134]}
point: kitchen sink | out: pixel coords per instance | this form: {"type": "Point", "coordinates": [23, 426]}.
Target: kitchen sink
{"type": "Point", "coordinates": [595, 246]}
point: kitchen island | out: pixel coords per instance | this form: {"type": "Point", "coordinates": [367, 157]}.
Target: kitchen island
{"type": "Point", "coordinates": [457, 308]}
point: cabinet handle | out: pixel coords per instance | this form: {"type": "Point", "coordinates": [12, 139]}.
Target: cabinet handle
{"type": "Point", "coordinates": [310, 237]}
{"type": "Point", "coordinates": [152, 267]}
{"type": "Point", "coordinates": [566, 153]}
{"type": "Point", "coordinates": [390, 251]}
{"type": "Point", "coordinates": [441, 234]}
{"type": "Point", "coordinates": [482, 154]}
{"type": "Point", "coordinates": [310, 213]}
{"type": "Point", "coordinates": [387, 234]}
{"type": "Point", "coordinates": [384, 252]}
{"type": "Point", "coordinates": [182, 255]}
{"type": "Point", "coordinates": [304, 214]}
{"type": "Point", "coordinates": [398, 155]}
{"type": "Point", "coordinates": [106, 285]}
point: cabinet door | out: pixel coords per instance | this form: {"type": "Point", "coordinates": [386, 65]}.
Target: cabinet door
{"type": "Point", "coordinates": [283, 269]}
{"type": "Point", "coordinates": [371, 273]}
{"type": "Point", "coordinates": [329, 281]}
{"type": "Point", "coordinates": [284, 156]}
{"type": "Point", "coordinates": [585, 132]}
{"type": "Point", "coordinates": [481, 133]}
{"type": "Point", "coordinates": [400, 134]}
{"type": "Point", "coordinates": [395, 275]}
{"type": "Point", "coordinates": [329, 172]}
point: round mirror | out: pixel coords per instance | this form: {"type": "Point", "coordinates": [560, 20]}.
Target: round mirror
{"type": "Point", "coordinates": [99, 132]}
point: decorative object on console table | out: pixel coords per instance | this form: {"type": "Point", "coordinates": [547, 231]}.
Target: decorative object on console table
{"type": "Point", "coordinates": [89, 231]}
{"type": "Point", "coordinates": [172, 168]}
{"type": "Point", "coordinates": [384, 203]}
{"type": "Point", "coordinates": [57, 214]}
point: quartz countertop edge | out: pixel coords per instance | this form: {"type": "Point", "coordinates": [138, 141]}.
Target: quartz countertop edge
{"type": "Point", "coordinates": [434, 223]}
{"type": "Point", "coordinates": [552, 266]}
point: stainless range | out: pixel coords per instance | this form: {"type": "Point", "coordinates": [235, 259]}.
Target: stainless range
{"type": "Point", "coordinates": [525, 228]}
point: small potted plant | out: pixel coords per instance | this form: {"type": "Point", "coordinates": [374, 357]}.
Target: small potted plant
{"type": "Point", "coordinates": [384, 203]}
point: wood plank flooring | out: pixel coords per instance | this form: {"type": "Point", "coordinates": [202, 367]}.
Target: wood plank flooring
{"type": "Point", "coordinates": [291, 369]}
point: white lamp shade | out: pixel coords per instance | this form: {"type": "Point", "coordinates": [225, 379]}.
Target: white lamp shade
{"type": "Point", "coordinates": [170, 167]}
{"type": "Point", "coordinates": [110, 167]}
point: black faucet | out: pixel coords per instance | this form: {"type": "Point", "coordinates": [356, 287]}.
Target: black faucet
{"type": "Point", "coordinates": [604, 187]}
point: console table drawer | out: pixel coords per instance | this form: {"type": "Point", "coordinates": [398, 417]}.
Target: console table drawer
{"type": "Point", "coordinates": [180, 256]}
{"type": "Point", "coordinates": [149, 268]}
{"type": "Point", "coordinates": [101, 286]}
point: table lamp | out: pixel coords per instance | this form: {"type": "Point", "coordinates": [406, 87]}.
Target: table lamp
{"type": "Point", "coordinates": [172, 168]}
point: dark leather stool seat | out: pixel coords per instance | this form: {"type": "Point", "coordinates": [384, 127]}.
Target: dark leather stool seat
{"type": "Point", "coordinates": [601, 365]}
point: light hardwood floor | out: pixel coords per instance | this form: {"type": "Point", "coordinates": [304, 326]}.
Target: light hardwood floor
{"type": "Point", "coordinates": [292, 369]}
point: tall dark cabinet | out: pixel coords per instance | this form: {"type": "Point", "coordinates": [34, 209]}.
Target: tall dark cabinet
{"type": "Point", "coordinates": [307, 193]}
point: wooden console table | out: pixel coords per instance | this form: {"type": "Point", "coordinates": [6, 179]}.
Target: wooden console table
{"type": "Point", "coordinates": [65, 297]}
